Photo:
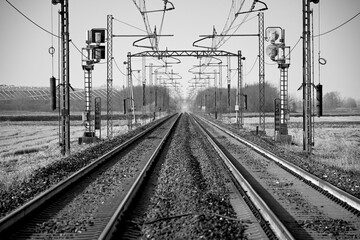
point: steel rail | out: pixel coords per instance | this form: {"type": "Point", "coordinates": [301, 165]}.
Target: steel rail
{"type": "Point", "coordinates": [18, 214]}
{"type": "Point", "coordinates": [111, 227]}
{"type": "Point", "coordinates": [275, 224]}
{"type": "Point", "coordinates": [335, 191]}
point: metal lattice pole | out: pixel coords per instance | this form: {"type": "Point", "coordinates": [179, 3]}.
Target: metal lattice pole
{"type": "Point", "coordinates": [220, 86]}
{"type": "Point", "coordinates": [284, 105]}
{"type": "Point", "coordinates": [215, 90]}
{"type": "Point", "coordinates": [261, 73]}
{"type": "Point", "coordinates": [144, 85]}
{"type": "Point", "coordinates": [109, 79]}
{"type": "Point", "coordinates": [88, 87]}
{"type": "Point", "coordinates": [130, 96]}
{"type": "Point", "coordinates": [307, 101]}
{"type": "Point", "coordinates": [239, 93]}
{"type": "Point", "coordinates": [228, 83]}
{"type": "Point", "coordinates": [65, 79]}
{"type": "Point", "coordinates": [151, 85]}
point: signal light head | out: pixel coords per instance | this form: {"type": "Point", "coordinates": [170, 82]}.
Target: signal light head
{"type": "Point", "coordinates": [97, 35]}
{"type": "Point", "coordinates": [272, 51]}
{"type": "Point", "coordinates": [98, 53]}
{"type": "Point", "coordinates": [273, 35]}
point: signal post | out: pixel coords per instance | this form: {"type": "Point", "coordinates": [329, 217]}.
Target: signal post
{"type": "Point", "coordinates": [278, 52]}
{"type": "Point", "coordinates": [92, 54]}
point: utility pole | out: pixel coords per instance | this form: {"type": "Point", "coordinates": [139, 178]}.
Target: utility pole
{"type": "Point", "coordinates": [109, 77]}
{"type": "Point", "coordinates": [215, 88]}
{"type": "Point", "coordinates": [144, 85]}
{"type": "Point", "coordinates": [228, 83]}
{"type": "Point", "coordinates": [239, 108]}
{"type": "Point", "coordinates": [307, 82]}
{"type": "Point", "coordinates": [65, 78]}
{"type": "Point", "coordinates": [130, 97]}
{"type": "Point", "coordinates": [261, 73]}
{"type": "Point", "coordinates": [280, 53]}
{"type": "Point", "coordinates": [91, 54]}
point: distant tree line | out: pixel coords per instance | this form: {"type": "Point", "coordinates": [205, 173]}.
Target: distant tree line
{"type": "Point", "coordinates": [206, 98]}
{"type": "Point", "coordinates": [333, 100]}
{"type": "Point", "coordinates": [163, 100]}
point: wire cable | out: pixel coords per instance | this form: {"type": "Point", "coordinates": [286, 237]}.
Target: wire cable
{"type": "Point", "coordinates": [322, 34]}
{"type": "Point", "coordinates": [117, 66]}
{"type": "Point", "coordinates": [257, 57]}
{"type": "Point", "coordinates": [130, 25]}
{"type": "Point", "coordinates": [37, 25]}
{"type": "Point", "coordinates": [295, 45]}
{"type": "Point", "coordinates": [77, 48]}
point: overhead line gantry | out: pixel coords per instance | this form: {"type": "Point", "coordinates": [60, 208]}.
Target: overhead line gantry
{"type": "Point", "coordinates": [160, 54]}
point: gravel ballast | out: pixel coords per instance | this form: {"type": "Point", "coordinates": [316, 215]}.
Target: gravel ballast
{"type": "Point", "coordinates": [43, 178]}
{"type": "Point", "coordinates": [349, 181]}
{"type": "Point", "coordinates": [191, 200]}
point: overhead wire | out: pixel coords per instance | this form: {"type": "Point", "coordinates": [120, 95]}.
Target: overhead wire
{"type": "Point", "coordinates": [146, 20]}
{"type": "Point", "coordinates": [223, 40]}
{"type": "Point", "coordinates": [45, 30]}
{"type": "Point", "coordinates": [256, 59]}
{"type": "Point", "coordinates": [33, 22]}
{"type": "Point", "coordinates": [322, 34]}
{"type": "Point", "coordinates": [117, 66]}
{"type": "Point", "coordinates": [162, 23]}
{"type": "Point", "coordinates": [129, 24]}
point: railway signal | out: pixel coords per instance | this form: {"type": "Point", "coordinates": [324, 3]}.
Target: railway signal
{"type": "Point", "coordinates": [280, 53]}
{"type": "Point", "coordinates": [93, 53]}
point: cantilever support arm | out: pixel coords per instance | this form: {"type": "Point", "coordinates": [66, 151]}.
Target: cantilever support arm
{"type": "Point", "coordinates": [146, 37]}
{"type": "Point", "coordinates": [253, 6]}
{"type": "Point", "coordinates": [161, 10]}
{"type": "Point", "coordinates": [202, 39]}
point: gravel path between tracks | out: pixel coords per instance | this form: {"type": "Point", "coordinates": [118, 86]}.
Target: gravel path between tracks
{"type": "Point", "coordinates": [349, 181]}
{"type": "Point", "coordinates": [43, 178]}
{"type": "Point", "coordinates": [191, 200]}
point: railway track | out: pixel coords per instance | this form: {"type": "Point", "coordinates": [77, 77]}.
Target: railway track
{"type": "Point", "coordinates": [88, 204]}
{"type": "Point", "coordinates": [193, 199]}
{"type": "Point", "coordinates": [192, 196]}
{"type": "Point", "coordinates": [167, 184]}
{"type": "Point", "coordinates": [308, 207]}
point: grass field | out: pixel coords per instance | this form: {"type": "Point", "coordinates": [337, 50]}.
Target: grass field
{"type": "Point", "coordinates": [28, 145]}
{"type": "Point", "coordinates": [336, 138]}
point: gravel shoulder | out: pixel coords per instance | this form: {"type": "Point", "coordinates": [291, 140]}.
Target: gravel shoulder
{"type": "Point", "coordinates": [347, 180]}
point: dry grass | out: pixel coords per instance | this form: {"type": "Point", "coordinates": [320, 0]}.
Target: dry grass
{"type": "Point", "coordinates": [337, 139]}
{"type": "Point", "coordinates": [26, 146]}
{"type": "Point", "coordinates": [338, 147]}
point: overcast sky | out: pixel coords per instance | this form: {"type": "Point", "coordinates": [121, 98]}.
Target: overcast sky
{"type": "Point", "coordinates": [25, 60]}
